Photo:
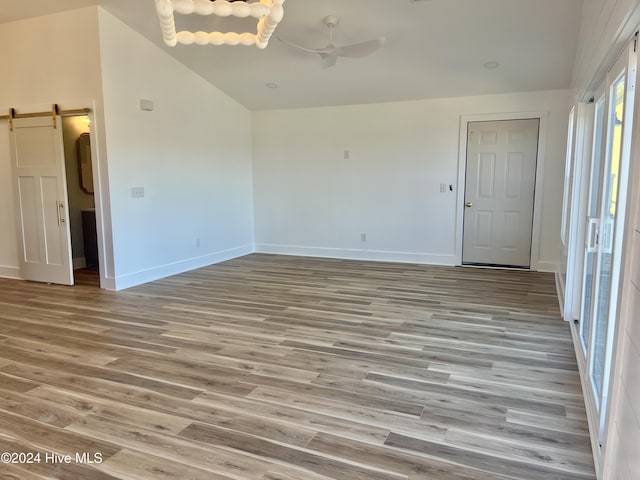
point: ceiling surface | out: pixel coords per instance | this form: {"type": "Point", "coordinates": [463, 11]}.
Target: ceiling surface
{"type": "Point", "coordinates": [433, 49]}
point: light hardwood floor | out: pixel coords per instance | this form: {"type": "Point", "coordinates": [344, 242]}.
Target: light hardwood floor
{"type": "Point", "coordinates": [282, 368]}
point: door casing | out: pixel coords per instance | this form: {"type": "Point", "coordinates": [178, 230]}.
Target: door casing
{"type": "Point", "coordinates": [537, 202]}
{"type": "Point", "coordinates": [491, 194]}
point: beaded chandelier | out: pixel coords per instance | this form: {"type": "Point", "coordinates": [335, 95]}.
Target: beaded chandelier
{"type": "Point", "coordinates": [267, 12]}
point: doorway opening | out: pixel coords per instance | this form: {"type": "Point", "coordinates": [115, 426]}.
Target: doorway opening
{"type": "Point", "coordinates": [76, 133]}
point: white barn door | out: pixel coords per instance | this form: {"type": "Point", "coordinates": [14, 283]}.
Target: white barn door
{"type": "Point", "coordinates": [44, 241]}
{"type": "Point", "coordinates": [499, 192]}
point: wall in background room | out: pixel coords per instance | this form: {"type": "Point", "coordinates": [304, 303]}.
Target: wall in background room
{"type": "Point", "coordinates": [364, 181]}
{"type": "Point", "coordinates": [72, 128]}
{"type": "Point", "coordinates": [190, 158]}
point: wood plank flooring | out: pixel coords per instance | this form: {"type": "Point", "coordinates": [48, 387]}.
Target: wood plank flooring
{"type": "Point", "coordinates": [288, 368]}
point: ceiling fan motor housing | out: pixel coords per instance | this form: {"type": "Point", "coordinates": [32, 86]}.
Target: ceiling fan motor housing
{"type": "Point", "coordinates": [330, 21]}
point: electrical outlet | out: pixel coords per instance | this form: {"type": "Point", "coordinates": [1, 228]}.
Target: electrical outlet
{"type": "Point", "coordinates": [363, 237]}
{"type": "Point", "coordinates": [146, 105]}
{"type": "Point", "coordinates": [137, 192]}
{"type": "Point", "coordinates": [443, 187]}
{"type": "Point", "coordinates": [347, 154]}
{"type": "Point", "coordinates": [197, 243]}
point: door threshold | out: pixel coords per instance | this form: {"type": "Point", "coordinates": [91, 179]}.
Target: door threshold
{"type": "Point", "coordinates": [495, 266]}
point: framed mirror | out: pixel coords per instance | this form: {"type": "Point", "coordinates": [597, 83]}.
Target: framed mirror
{"type": "Point", "coordinates": [84, 163]}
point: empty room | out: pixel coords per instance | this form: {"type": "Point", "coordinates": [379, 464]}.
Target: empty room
{"type": "Point", "coordinates": [319, 240]}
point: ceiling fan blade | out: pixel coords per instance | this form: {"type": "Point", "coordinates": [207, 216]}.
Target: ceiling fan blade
{"type": "Point", "coordinates": [361, 49]}
{"type": "Point", "coordinates": [329, 59]}
{"type": "Point", "coordinates": [306, 49]}
{"type": "Point", "coordinates": [330, 53]}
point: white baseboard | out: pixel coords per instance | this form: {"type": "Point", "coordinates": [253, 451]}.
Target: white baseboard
{"type": "Point", "coordinates": [560, 293]}
{"type": "Point", "coordinates": [10, 272]}
{"type": "Point", "coordinates": [546, 267]}
{"type": "Point", "coordinates": [592, 417]}
{"type": "Point", "coordinates": [79, 262]}
{"type": "Point", "coordinates": [355, 254]}
{"type": "Point", "coordinates": [108, 283]}
{"type": "Point", "coordinates": [155, 273]}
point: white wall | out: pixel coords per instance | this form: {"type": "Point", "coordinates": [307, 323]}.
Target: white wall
{"type": "Point", "coordinates": [192, 156]}
{"type": "Point", "coordinates": [606, 27]}
{"type": "Point", "coordinates": [50, 64]}
{"type": "Point", "coordinates": [623, 437]}
{"type": "Point", "coordinates": [8, 234]}
{"type": "Point", "coordinates": [309, 199]}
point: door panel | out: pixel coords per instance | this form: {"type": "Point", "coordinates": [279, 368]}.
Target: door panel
{"type": "Point", "coordinates": [593, 223]}
{"type": "Point", "coordinates": [511, 224]}
{"type": "Point", "coordinates": [41, 203]}
{"type": "Point", "coordinates": [486, 175]}
{"type": "Point", "coordinates": [513, 181]}
{"type": "Point", "coordinates": [35, 144]}
{"type": "Point", "coordinates": [28, 205]}
{"type": "Point", "coordinates": [605, 258]}
{"type": "Point", "coordinates": [484, 221]}
{"type": "Point", "coordinates": [516, 137]}
{"type": "Point", "coordinates": [499, 192]}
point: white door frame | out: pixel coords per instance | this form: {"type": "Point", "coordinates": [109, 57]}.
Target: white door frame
{"type": "Point", "coordinates": [462, 170]}
{"type": "Point", "coordinates": [577, 222]}
{"type": "Point", "coordinates": [100, 184]}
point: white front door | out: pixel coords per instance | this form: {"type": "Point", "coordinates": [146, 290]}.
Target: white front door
{"type": "Point", "coordinates": [499, 192]}
{"type": "Point", "coordinates": [37, 156]}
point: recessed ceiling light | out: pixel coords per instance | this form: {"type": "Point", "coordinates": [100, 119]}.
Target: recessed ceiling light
{"type": "Point", "coordinates": [491, 65]}
{"type": "Point", "coordinates": [271, 85]}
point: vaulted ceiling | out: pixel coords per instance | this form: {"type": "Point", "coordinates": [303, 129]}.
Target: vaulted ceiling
{"type": "Point", "coordinates": [433, 49]}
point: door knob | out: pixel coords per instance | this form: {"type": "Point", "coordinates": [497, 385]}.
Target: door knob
{"type": "Point", "coordinates": [468, 204]}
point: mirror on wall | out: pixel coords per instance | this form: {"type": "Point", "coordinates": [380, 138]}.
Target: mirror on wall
{"type": "Point", "coordinates": [84, 163]}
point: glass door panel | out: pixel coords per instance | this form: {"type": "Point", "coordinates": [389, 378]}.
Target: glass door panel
{"type": "Point", "coordinates": [605, 211]}
{"type": "Point", "coordinates": [593, 210]}
{"type": "Point", "coordinates": [607, 223]}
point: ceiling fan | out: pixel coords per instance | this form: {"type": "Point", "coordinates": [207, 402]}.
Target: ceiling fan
{"type": "Point", "coordinates": [331, 52]}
